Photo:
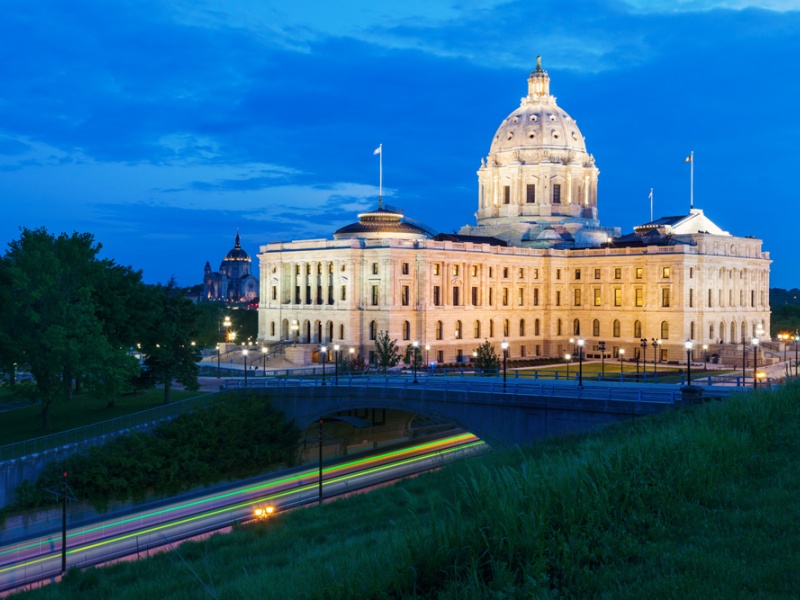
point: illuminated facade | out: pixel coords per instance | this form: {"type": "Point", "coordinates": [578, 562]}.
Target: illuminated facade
{"type": "Point", "coordinates": [536, 270]}
{"type": "Point", "coordinates": [233, 282]}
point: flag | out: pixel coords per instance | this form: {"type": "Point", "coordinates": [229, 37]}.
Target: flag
{"type": "Point", "coordinates": [378, 149]}
{"type": "Point", "coordinates": [688, 159]}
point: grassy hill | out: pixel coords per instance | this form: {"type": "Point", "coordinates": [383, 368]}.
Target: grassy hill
{"type": "Point", "coordinates": [697, 503]}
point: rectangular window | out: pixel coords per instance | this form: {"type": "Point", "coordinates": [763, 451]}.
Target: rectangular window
{"type": "Point", "coordinates": [374, 295]}
{"type": "Point", "coordinates": [577, 297]}
{"type": "Point", "coordinates": [505, 296]}
{"type": "Point", "coordinates": [617, 296]}
{"type": "Point", "coordinates": [505, 272]}
{"type": "Point", "coordinates": [405, 268]}
{"type": "Point", "coordinates": [404, 295]}
{"type": "Point", "coordinates": [274, 292]}
{"type": "Point", "coordinates": [597, 273]}
{"type": "Point", "coordinates": [491, 271]}
{"type": "Point", "coordinates": [710, 298]}
{"type": "Point", "coordinates": [437, 295]}
{"type": "Point", "coordinates": [691, 272]}
{"type": "Point", "coordinates": [617, 273]}
{"type": "Point", "coordinates": [558, 273]}
{"type": "Point", "coordinates": [752, 298]}
{"type": "Point", "coordinates": [665, 272]}
{"type": "Point", "coordinates": [521, 297]}
{"type": "Point", "coordinates": [691, 298]}
{"type": "Point", "coordinates": [577, 274]}
{"type": "Point", "coordinates": [474, 296]}
{"type": "Point", "coordinates": [558, 298]}
{"type": "Point", "coordinates": [536, 296]}
{"type": "Point", "coordinates": [455, 270]}
{"type": "Point", "coordinates": [522, 351]}
{"type": "Point", "coordinates": [491, 296]}
{"type": "Point", "coordinates": [456, 298]}
{"type": "Point", "coordinates": [530, 193]}
{"type": "Point", "coordinates": [521, 273]}
{"type": "Point", "coordinates": [344, 292]}
{"type": "Point", "coordinates": [556, 193]}
{"type": "Point", "coordinates": [374, 268]}
{"type": "Point", "coordinates": [536, 273]}
{"type": "Point", "coordinates": [639, 272]}
{"type": "Point", "coordinates": [639, 297]}
{"type": "Point", "coordinates": [440, 356]}
{"type": "Point", "coordinates": [506, 194]}
{"type": "Point", "coordinates": [598, 301]}
{"type": "Point", "coordinates": [665, 297]}
{"type": "Point", "coordinates": [436, 269]}
{"type": "Point", "coordinates": [474, 270]}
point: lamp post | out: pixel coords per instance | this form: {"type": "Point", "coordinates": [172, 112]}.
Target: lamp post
{"type": "Point", "coordinates": [755, 361]}
{"type": "Point", "coordinates": [415, 345]}
{"type": "Point", "coordinates": [643, 353]}
{"type": "Point", "coordinates": [688, 345]}
{"type": "Point", "coordinates": [574, 348]}
{"type": "Point", "coordinates": [504, 346]}
{"type": "Point", "coordinates": [336, 368]}
{"type": "Point", "coordinates": [621, 354]}
{"type": "Point", "coordinates": [580, 362]}
{"type": "Point", "coordinates": [323, 352]}
{"type": "Point", "coordinates": [602, 346]}
{"type": "Point", "coordinates": [568, 357]}
{"type": "Point", "coordinates": [796, 340]}
{"type": "Point", "coordinates": [244, 353]}
{"type": "Point", "coordinates": [264, 352]}
{"type": "Point", "coordinates": [705, 357]}
{"type": "Point", "coordinates": [427, 357]}
{"type": "Point", "coordinates": [655, 343]}
{"type": "Point", "coordinates": [785, 339]}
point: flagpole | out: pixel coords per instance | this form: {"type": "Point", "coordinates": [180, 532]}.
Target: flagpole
{"type": "Point", "coordinates": [379, 152]}
{"type": "Point", "coordinates": [691, 181]}
{"type": "Point", "coordinates": [651, 205]}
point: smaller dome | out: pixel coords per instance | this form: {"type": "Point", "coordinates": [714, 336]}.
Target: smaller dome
{"type": "Point", "coordinates": [237, 253]}
{"type": "Point", "coordinates": [381, 223]}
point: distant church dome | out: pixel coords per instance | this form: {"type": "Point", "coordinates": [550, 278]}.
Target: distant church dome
{"type": "Point", "coordinates": [237, 253]}
{"type": "Point", "coordinates": [381, 223]}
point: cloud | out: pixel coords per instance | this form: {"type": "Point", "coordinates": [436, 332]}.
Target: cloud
{"type": "Point", "coordinates": [684, 6]}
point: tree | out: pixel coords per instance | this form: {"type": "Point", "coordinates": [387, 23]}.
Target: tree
{"type": "Point", "coordinates": [170, 354]}
{"type": "Point", "coordinates": [486, 362]}
{"type": "Point", "coordinates": [386, 351]}
{"type": "Point", "coordinates": [50, 318]}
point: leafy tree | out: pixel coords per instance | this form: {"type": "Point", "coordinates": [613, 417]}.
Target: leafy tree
{"type": "Point", "coordinates": [486, 362]}
{"type": "Point", "coordinates": [408, 356]}
{"type": "Point", "coordinates": [386, 351]}
{"type": "Point", "coordinates": [51, 318]}
{"type": "Point", "coordinates": [170, 354]}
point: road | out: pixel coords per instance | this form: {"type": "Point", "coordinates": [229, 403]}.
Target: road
{"type": "Point", "coordinates": [39, 559]}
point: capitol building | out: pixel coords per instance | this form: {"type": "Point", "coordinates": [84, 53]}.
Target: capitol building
{"type": "Point", "coordinates": [536, 270]}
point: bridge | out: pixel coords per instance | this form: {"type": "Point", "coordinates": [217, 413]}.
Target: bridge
{"type": "Point", "coordinates": [501, 415]}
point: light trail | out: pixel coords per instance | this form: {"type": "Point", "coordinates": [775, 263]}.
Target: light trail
{"type": "Point", "coordinates": [305, 482]}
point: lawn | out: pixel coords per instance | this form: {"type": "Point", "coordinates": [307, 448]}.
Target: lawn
{"type": "Point", "coordinates": [25, 423]}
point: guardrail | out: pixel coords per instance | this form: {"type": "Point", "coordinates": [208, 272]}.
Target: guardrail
{"type": "Point", "coordinates": [114, 426]}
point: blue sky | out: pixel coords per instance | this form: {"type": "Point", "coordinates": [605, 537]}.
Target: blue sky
{"type": "Point", "coordinates": [162, 126]}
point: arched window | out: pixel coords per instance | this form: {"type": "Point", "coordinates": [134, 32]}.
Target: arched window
{"type": "Point", "coordinates": [616, 328]}
{"type": "Point", "coordinates": [664, 330]}
{"type": "Point", "coordinates": [637, 329]}
{"type": "Point", "coordinates": [406, 330]}
{"type": "Point", "coordinates": [505, 328]}
{"type": "Point", "coordinates": [438, 330]}
{"type": "Point", "coordinates": [330, 330]}
{"type": "Point", "coordinates": [576, 327]}
{"type": "Point", "coordinates": [733, 332]}
{"type": "Point", "coordinates": [477, 329]}
{"type": "Point", "coordinates": [536, 327]}
{"type": "Point", "coordinates": [458, 330]}
{"type": "Point", "coordinates": [521, 327]}
{"type": "Point", "coordinates": [744, 330]}
{"type": "Point", "coordinates": [596, 328]}
{"type": "Point", "coordinates": [373, 331]}
{"type": "Point", "coordinates": [721, 332]}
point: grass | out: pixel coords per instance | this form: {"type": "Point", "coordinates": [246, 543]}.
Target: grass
{"type": "Point", "coordinates": [25, 423]}
{"type": "Point", "coordinates": [696, 503]}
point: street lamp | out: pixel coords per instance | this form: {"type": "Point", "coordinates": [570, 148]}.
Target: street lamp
{"type": "Point", "coordinates": [655, 343]}
{"type": "Point", "coordinates": [323, 352]}
{"type": "Point", "coordinates": [336, 358]}
{"type": "Point", "coordinates": [568, 357]}
{"type": "Point", "coordinates": [621, 354]}
{"type": "Point", "coordinates": [264, 352]}
{"type": "Point", "coordinates": [755, 361]}
{"type": "Point", "coordinates": [688, 345]}
{"type": "Point", "coordinates": [580, 362]}
{"type": "Point", "coordinates": [427, 357]}
{"type": "Point", "coordinates": [705, 357]}
{"type": "Point", "coordinates": [796, 340]}
{"type": "Point", "coordinates": [504, 346]}
{"type": "Point", "coordinates": [643, 353]}
{"type": "Point", "coordinates": [602, 346]}
{"type": "Point", "coordinates": [244, 353]}
{"type": "Point", "coordinates": [415, 345]}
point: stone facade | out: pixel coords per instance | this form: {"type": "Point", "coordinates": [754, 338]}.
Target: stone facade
{"type": "Point", "coordinates": [233, 282]}
{"type": "Point", "coordinates": [536, 270]}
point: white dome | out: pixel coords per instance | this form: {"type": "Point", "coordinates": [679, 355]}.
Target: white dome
{"type": "Point", "coordinates": [538, 126]}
